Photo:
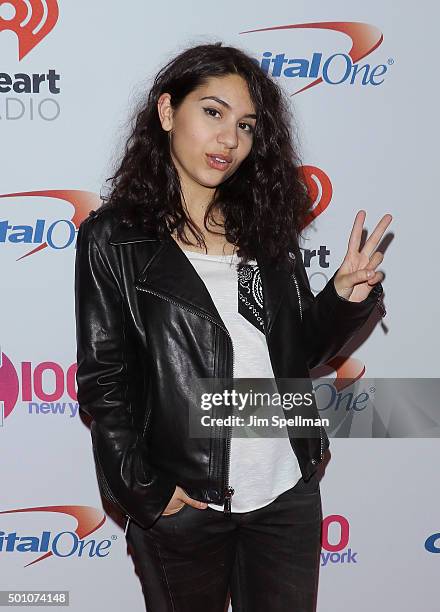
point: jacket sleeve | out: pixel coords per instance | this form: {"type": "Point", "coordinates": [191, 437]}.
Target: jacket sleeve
{"type": "Point", "coordinates": [329, 320]}
{"type": "Point", "coordinates": [106, 357]}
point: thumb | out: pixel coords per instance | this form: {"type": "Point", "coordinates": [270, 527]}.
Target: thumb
{"type": "Point", "coordinates": [359, 276]}
{"type": "Point", "coordinates": [345, 283]}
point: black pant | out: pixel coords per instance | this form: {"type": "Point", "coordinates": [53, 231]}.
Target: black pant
{"type": "Point", "coordinates": [268, 558]}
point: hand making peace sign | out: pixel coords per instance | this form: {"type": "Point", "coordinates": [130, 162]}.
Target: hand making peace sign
{"type": "Point", "coordinates": [356, 277]}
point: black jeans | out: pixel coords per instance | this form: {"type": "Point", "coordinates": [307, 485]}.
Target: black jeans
{"type": "Point", "coordinates": [268, 559]}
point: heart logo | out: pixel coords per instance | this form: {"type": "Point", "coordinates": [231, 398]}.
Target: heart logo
{"type": "Point", "coordinates": [320, 191]}
{"type": "Point", "coordinates": [32, 21]}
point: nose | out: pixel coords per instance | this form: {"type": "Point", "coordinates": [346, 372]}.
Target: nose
{"type": "Point", "coordinates": [228, 136]}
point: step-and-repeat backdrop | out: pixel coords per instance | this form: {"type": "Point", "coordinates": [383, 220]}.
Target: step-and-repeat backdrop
{"type": "Point", "coordinates": [362, 82]}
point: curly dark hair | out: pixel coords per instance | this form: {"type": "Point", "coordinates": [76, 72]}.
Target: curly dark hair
{"type": "Point", "coordinates": [263, 203]}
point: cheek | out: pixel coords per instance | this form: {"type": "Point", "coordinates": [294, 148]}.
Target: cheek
{"type": "Point", "coordinates": [191, 141]}
{"type": "Point", "coordinates": [245, 148]}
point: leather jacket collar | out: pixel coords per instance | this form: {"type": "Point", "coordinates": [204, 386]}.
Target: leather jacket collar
{"type": "Point", "coordinates": [167, 265]}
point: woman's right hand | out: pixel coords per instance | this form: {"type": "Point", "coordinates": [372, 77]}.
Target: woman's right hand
{"type": "Point", "coordinates": [179, 499]}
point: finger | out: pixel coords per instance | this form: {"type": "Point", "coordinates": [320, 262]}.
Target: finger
{"type": "Point", "coordinates": [173, 511]}
{"type": "Point", "coordinates": [372, 242]}
{"type": "Point", "coordinates": [377, 278]}
{"type": "Point", "coordinates": [375, 260]}
{"type": "Point", "coordinates": [356, 233]}
{"type": "Point", "coordinates": [195, 503]}
{"type": "Point", "coordinates": [359, 276]}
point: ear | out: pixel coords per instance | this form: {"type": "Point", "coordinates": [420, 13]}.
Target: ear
{"type": "Point", "coordinates": [165, 111]}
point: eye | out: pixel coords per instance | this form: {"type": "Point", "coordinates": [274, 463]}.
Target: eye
{"type": "Point", "coordinates": [250, 129]}
{"type": "Point", "coordinates": [248, 125]}
{"type": "Point", "coordinates": [213, 110]}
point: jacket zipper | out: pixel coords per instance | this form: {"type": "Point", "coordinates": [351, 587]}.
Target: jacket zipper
{"type": "Point", "coordinates": [228, 490]}
{"type": "Point", "coordinates": [322, 442]}
{"type": "Point", "coordinates": [381, 306]}
{"type": "Point", "coordinates": [301, 316]}
{"type": "Point", "coordinates": [299, 295]}
{"type": "Point", "coordinates": [147, 420]}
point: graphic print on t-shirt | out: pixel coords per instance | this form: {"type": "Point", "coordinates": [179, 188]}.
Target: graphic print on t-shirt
{"type": "Point", "coordinates": [250, 295]}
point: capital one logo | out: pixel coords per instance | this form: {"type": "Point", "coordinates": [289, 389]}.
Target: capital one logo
{"type": "Point", "coordinates": [61, 544]}
{"type": "Point", "coordinates": [340, 67]}
{"type": "Point", "coordinates": [39, 234]}
{"type": "Point", "coordinates": [31, 20]}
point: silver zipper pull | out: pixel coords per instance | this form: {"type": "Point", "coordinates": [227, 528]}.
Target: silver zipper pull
{"type": "Point", "coordinates": [126, 525]}
{"type": "Point", "coordinates": [227, 505]}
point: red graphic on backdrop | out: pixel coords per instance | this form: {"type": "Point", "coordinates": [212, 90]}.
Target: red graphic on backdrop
{"type": "Point", "coordinates": [9, 386]}
{"type": "Point", "coordinates": [320, 191]}
{"type": "Point", "coordinates": [348, 370]}
{"type": "Point", "coordinates": [32, 21]}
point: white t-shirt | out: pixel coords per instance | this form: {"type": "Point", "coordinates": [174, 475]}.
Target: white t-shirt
{"type": "Point", "coordinates": [260, 468]}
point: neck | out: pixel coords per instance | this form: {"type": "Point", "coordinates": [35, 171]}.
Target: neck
{"type": "Point", "coordinates": [215, 240]}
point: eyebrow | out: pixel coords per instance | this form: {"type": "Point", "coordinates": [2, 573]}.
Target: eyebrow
{"type": "Point", "coordinates": [223, 103]}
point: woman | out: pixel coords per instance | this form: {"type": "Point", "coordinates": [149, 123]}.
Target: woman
{"type": "Point", "coordinates": [210, 157]}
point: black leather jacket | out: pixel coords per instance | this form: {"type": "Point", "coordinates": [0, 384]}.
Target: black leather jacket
{"type": "Point", "coordinates": [146, 325]}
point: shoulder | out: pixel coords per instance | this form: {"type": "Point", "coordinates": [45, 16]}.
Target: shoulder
{"type": "Point", "coordinates": [99, 224]}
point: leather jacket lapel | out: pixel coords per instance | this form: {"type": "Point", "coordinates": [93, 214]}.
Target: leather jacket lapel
{"type": "Point", "coordinates": [274, 283]}
{"type": "Point", "coordinates": [168, 273]}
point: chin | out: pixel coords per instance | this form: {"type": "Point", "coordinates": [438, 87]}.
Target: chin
{"type": "Point", "coordinates": [212, 184]}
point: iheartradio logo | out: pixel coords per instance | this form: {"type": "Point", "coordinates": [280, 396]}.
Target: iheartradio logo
{"type": "Point", "coordinates": [31, 20]}
{"type": "Point", "coordinates": [320, 191]}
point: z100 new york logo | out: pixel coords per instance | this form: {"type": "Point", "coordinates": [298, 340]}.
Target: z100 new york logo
{"type": "Point", "coordinates": [336, 552]}
{"type": "Point", "coordinates": [28, 382]}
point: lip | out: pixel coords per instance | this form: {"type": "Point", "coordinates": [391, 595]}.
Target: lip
{"type": "Point", "coordinates": [218, 165]}
{"type": "Point", "coordinates": [226, 158]}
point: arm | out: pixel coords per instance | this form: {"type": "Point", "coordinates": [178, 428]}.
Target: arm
{"type": "Point", "coordinates": [106, 358]}
{"type": "Point", "coordinates": [328, 320]}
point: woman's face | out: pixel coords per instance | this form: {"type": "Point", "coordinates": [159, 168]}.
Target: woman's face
{"type": "Point", "coordinates": [216, 119]}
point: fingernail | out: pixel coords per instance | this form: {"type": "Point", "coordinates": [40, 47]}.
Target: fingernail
{"type": "Point", "coordinates": [369, 273]}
